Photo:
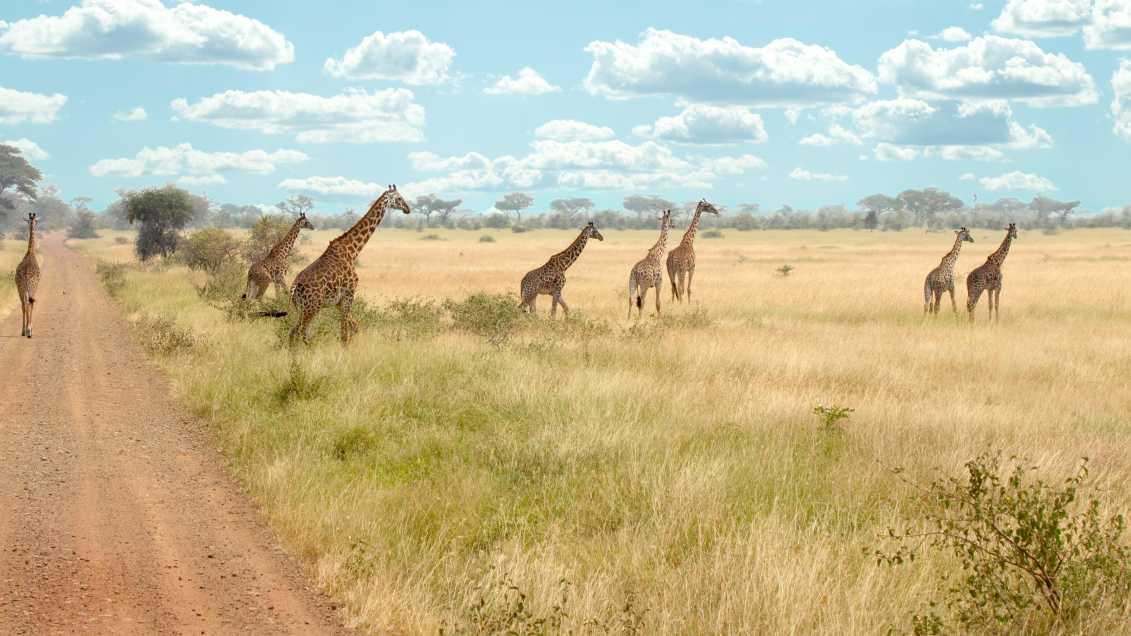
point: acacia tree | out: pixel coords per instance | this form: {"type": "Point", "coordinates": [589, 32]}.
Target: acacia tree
{"type": "Point", "coordinates": [515, 202]}
{"type": "Point", "coordinates": [428, 204]}
{"type": "Point", "coordinates": [1045, 207]}
{"type": "Point", "coordinates": [566, 211]}
{"type": "Point", "coordinates": [877, 205]}
{"type": "Point", "coordinates": [162, 213]}
{"type": "Point", "coordinates": [16, 173]}
{"type": "Point", "coordinates": [642, 205]}
{"type": "Point", "coordinates": [296, 205]}
{"type": "Point", "coordinates": [925, 204]}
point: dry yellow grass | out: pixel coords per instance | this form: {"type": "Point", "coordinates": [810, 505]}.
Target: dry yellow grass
{"type": "Point", "coordinates": [679, 467]}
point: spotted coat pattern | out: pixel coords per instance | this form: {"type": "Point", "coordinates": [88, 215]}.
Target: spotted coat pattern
{"type": "Point", "coordinates": [550, 278]}
{"type": "Point", "coordinates": [272, 268]}
{"type": "Point", "coordinates": [648, 273]}
{"type": "Point", "coordinates": [27, 278]}
{"type": "Point", "coordinates": [941, 278]}
{"type": "Point", "coordinates": [987, 277]}
{"type": "Point", "coordinates": [681, 260]}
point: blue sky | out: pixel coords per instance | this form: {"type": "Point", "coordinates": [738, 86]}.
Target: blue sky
{"type": "Point", "coordinates": [768, 102]}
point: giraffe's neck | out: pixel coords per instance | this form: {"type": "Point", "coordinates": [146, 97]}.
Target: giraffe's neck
{"type": "Point", "coordinates": [658, 249]}
{"type": "Point", "coordinates": [355, 238]}
{"type": "Point", "coordinates": [283, 248]}
{"type": "Point", "coordinates": [693, 227]}
{"type": "Point", "coordinates": [998, 257]}
{"type": "Point", "coordinates": [952, 255]}
{"type": "Point", "coordinates": [31, 241]}
{"type": "Point", "coordinates": [563, 259]}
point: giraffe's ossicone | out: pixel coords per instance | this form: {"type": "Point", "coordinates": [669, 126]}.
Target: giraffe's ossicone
{"type": "Point", "coordinates": [27, 277]}
{"type": "Point", "coordinates": [550, 278]}
{"type": "Point", "coordinates": [332, 278]}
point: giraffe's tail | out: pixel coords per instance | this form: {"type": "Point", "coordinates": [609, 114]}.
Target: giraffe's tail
{"type": "Point", "coordinates": [270, 314]}
{"type": "Point", "coordinates": [31, 300]}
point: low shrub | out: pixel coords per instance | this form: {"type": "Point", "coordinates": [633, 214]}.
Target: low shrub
{"type": "Point", "coordinates": [113, 276]}
{"type": "Point", "coordinates": [161, 336]}
{"type": "Point", "coordinates": [495, 316]}
{"type": "Point", "coordinates": [486, 238]}
{"type": "Point", "coordinates": [712, 234]}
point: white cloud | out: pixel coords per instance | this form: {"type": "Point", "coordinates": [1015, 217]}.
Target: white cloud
{"type": "Point", "coordinates": [792, 114]}
{"type": "Point", "coordinates": [968, 176]}
{"type": "Point", "coordinates": [527, 82]}
{"type": "Point", "coordinates": [573, 130]}
{"type": "Point", "coordinates": [1017, 181]}
{"type": "Point", "coordinates": [116, 29]}
{"type": "Point", "coordinates": [891, 152]}
{"type": "Point", "coordinates": [1110, 27]}
{"type": "Point", "coordinates": [28, 148]}
{"type": "Point", "coordinates": [134, 114]}
{"type": "Point", "coordinates": [406, 56]}
{"type": "Point", "coordinates": [988, 67]}
{"type": "Point", "coordinates": [1042, 18]}
{"type": "Point", "coordinates": [17, 107]}
{"type": "Point", "coordinates": [354, 116]}
{"type": "Point", "coordinates": [208, 179]}
{"type": "Point", "coordinates": [977, 6]}
{"type": "Point", "coordinates": [800, 174]}
{"type": "Point", "coordinates": [1121, 102]}
{"type": "Point", "coordinates": [836, 134]}
{"type": "Point", "coordinates": [332, 188]}
{"type": "Point", "coordinates": [785, 72]}
{"type": "Point", "coordinates": [707, 125]}
{"type": "Point", "coordinates": [955, 34]}
{"type": "Point", "coordinates": [198, 166]}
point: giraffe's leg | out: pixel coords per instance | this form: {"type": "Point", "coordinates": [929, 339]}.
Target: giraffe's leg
{"type": "Point", "coordinates": [972, 295]}
{"type": "Point", "coordinates": [30, 310]}
{"type": "Point", "coordinates": [659, 287]}
{"type": "Point", "coordinates": [302, 325]}
{"type": "Point", "coordinates": [672, 278]}
{"type": "Point", "coordinates": [937, 302]}
{"type": "Point", "coordinates": [349, 324]}
{"type": "Point", "coordinates": [641, 295]}
{"type": "Point", "coordinates": [23, 315]}
{"type": "Point", "coordinates": [562, 302]}
{"type": "Point", "coordinates": [990, 302]}
{"type": "Point", "coordinates": [280, 287]}
{"type": "Point", "coordinates": [997, 304]}
{"type": "Point", "coordinates": [631, 293]}
{"type": "Point", "coordinates": [953, 305]}
{"type": "Point", "coordinates": [690, 275]}
{"type": "Point", "coordinates": [553, 305]}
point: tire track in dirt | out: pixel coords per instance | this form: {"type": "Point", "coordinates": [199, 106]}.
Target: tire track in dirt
{"type": "Point", "coordinates": [116, 512]}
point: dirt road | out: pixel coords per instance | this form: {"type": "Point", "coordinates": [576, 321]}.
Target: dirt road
{"type": "Point", "coordinates": [116, 513]}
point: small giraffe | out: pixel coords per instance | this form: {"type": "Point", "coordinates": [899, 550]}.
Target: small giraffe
{"type": "Point", "coordinates": [332, 278]}
{"type": "Point", "coordinates": [681, 260]}
{"type": "Point", "coordinates": [987, 277]}
{"type": "Point", "coordinates": [550, 278]}
{"type": "Point", "coordinates": [648, 273]}
{"type": "Point", "coordinates": [273, 266]}
{"type": "Point", "coordinates": [941, 278]}
{"type": "Point", "coordinates": [27, 277]}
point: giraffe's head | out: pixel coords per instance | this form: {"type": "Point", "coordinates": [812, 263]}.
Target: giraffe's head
{"type": "Point", "coordinates": [393, 199]}
{"type": "Point", "coordinates": [666, 220]}
{"type": "Point", "coordinates": [705, 206]}
{"type": "Point", "coordinates": [592, 231]}
{"type": "Point", "coordinates": [32, 221]}
{"type": "Point", "coordinates": [1012, 229]}
{"type": "Point", "coordinates": [964, 234]}
{"type": "Point", "coordinates": [304, 223]}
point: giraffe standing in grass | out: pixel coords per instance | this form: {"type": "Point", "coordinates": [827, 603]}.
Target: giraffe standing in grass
{"type": "Point", "coordinates": [941, 278]}
{"type": "Point", "coordinates": [27, 277]}
{"type": "Point", "coordinates": [550, 278]}
{"type": "Point", "coordinates": [332, 278]}
{"type": "Point", "coordinates": [648, 273]}
{"type": "Point", "coordinates": [987, 277]}
{"type": "Point", "coordinates": [681, 260]}
{"type": "Point", "coordinates": [273, 267]}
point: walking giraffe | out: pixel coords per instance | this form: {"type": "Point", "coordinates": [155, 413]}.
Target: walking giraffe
{"type": "Point", "coordinates": [550, 278]}
{"type": "Point", "coordinates": [987, 277]}
{"type": "Point", "coordinates": [941, 278]}
{"type": "Point", "coordinates": [681, 260]}
{"type": "Point", "coordinates": [272, 268]}
{"type": "Point", "coordinates": [332, 278]}
{"type": "Point", "coordinates": [647, 273]}
{"type": "Point", "coordinates": [27, 277]}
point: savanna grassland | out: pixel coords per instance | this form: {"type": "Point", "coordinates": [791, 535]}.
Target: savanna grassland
{"type": "Point", "coordinates": [11, 252]}
{"type": "Point", "coordinates": [662, 476]}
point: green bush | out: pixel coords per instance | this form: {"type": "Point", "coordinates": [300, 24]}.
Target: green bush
{"type": "Point", "coordinates": [831, 417]}
{"type": "Point", "coordinates": [264, 235]}
{"type": "Point", "coordinates": [301, 385]}
{"type": "Point", "coordinates": [495, 316]}
{"type": "Point", "coordinates": [208, 250]}
{"type": "Point", "coordinates": [432, 237]}
{"type": "Point", "coordinates": [1031, 555]}
{"type": "Point", "coordinates": [486, 238]}
{"type": "Point", "coordinates": [160, 335]}
{"type": "Point", "coordinates": [712, 234]}
{"type": "Point", "coordinates": [113, 276]}
{"type": "Point", "coordinates": [409, 318]}
{"type": "Point", "coordinates": [83, 227]}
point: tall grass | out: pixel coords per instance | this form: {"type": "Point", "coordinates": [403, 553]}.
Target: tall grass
{"type": "Point", "coordinates": [663, 477]}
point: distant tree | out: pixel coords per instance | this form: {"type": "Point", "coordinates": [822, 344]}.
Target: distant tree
{"type": "Point", "coordinates": [925, 204]}
{"type": "Point", "coordinates": [515, 202]}
{"type": "Point", "coordinates": [201, 210]}
{"type": "Point", "coordinates": [296, 205]}
{"type": "Point", "coordinates": [84, 226]}
{"type": "Point", "coordinates": [16, 173]}
{"type": "Point", "coordinates": [429, 204]}
{"type": "Point", "coordinates": [162, 214]}
{"type": "Point", "coordinates": [497, 221]}
{"type": "Point", "coordinates": [1045, 207]}
{"type": "Point", "coordinates": [566, 213]}
{"type": "Point", "coordinates": [230, 215]}
{"type": "Point", "coordinates": [650, 204]}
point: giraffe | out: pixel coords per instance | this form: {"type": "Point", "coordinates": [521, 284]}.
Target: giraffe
{"type": "Point", "coordinates": [681, 260]}
{"type": "Point", "coordinates": [647, 273]}
{"type": "Point", "coordinates": [27, 277]}
{"type": "Point", "coordinates": [550, 278]}
{"type": "Point", "coordinates": [987, 277]}
{"type": "Point", "coordinates": [273, 266]}
{"type": "Point", "coordinates": [332, 278]}
{"type": "Point", "coordinates": [941, 278]}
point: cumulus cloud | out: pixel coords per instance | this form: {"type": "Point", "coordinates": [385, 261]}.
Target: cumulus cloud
{"type": "Point", "coordinates": [194, 166]}
{"type": "Point", "coordinates": [332, 188]}
{"type": "Point", "coordinates": [526, 82]}
{"type": "Point", "coordinates": [785, 72]}
{"type": "Point", "coordinates": [1017, 180]}
{"type": "Point", "coordinates": [892, 152]}
{"type": "Point", "coordinates": [837, 134]}
{"type": "Point", "coordinates": [706, 124]}
{"type": "Point", "coordinates": [988, 67]}
{"type": "Point", "coordinates": [115, 29]}
{"type": "Point", "coordinates": [572, 130]}
{"type": "Point", "coordinates": [1121, 103]}
{"type": "Point", "coordinates": [208, 179]}
{"type": "Point", "coordinates": [28, 148]}
{"type": "Point", "coordinates": [1043, 18]}
{"type": "Point", "coordinates": [801, 174]}
{"type": "Point", "coordinates": [1110, 27]}
{"type": "Point", "coordinates": [134, 114]}
{"type": "Point", "coordinates": [405, 56]}
{"type": "Point", "coordinates": [955, 34]}
{"type": "Point", "coordinates": [354, 116]}
{"type": "Point", "coordinates": [18, 107]}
